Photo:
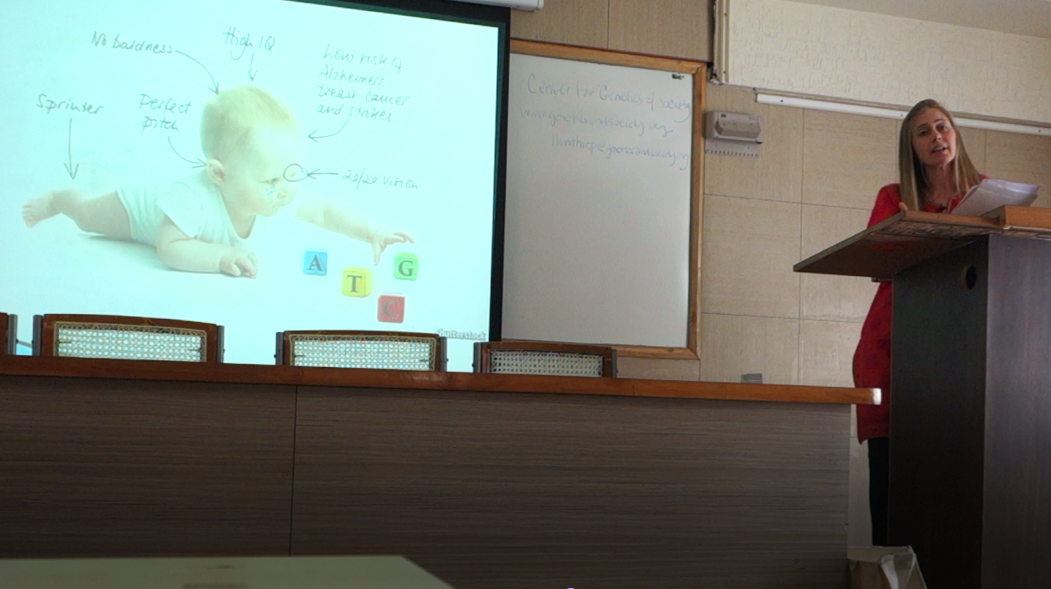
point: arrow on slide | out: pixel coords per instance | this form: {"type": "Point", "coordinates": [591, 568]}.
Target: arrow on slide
{"type": "Point", "coordinates": [196, 164]}
{"type": "Point", "coordinates": [251, 74]}
{"type": "Point", "coordinates": [314, 136]}
{"type": "Point", "coordinates": [215, 85]}
{"type": "Point", "coordinates": [297, 173]}
{"type": "Point", "coordinates": [313, 175]}
{"type": "Point", "coordinates": [70, 168]}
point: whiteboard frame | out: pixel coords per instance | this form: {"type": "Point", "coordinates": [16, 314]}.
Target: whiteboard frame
{"type": "Point", "coordinates": [699, 71]}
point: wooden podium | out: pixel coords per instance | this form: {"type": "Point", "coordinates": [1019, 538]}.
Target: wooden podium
{"type": "Point", "coordinates": [970, 451]}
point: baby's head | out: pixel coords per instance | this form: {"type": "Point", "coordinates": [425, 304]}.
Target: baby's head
{"type": "Point", "coordinates": [249, 138]}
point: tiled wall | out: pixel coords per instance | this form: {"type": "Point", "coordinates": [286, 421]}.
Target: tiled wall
{"type": "Point", "coordinates": [813, 185]}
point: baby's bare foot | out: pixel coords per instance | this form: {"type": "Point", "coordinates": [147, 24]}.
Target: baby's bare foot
{"type": "Point", "coordinates": [37, 209]}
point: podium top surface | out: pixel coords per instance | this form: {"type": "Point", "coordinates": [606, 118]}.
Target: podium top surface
{"type": "Point", "coordinates": [913, 237]}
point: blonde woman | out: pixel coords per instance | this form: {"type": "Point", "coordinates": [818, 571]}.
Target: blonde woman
{"type": "Point", "coordinates": [934, 174]}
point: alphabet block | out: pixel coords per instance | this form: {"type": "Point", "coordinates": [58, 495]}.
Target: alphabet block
{"type": "Point", "coordinates": [391, 309]}
{"type": "Point", "coordinates": [315, 263]}
{"type": "Point", "coordinates": [406, 266]}
{"type": "Point", "coordinates": [357, 282]}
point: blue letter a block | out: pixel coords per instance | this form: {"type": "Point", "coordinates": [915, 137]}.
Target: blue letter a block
{"type": "Point", "coordinates": [315, 263]}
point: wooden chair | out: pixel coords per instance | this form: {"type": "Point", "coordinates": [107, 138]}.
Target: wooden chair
{"type": "Point", "coordinates": [384, 350]}
{"type": "Point", "coordinates": [8, 334]}
{"type": "Point", "coordinates": [127, 338]}
{"type": "Point", "coordinates": [546, 358]}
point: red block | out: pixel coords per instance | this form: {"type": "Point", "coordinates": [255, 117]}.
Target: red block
{"type": "Point", "coordinates": [391, 308]}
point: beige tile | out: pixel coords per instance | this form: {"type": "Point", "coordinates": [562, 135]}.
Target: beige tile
{"type": "Point", "coordinates": [732, 98]}
{"type": "Point", "coordinates": [670, 28]}
{"type": "Point", "coordinates": [657, 368]}
{"type": "Point", "coordinates": [974, 141]}
{"type": "Point", "coordinates": [777, 174]}
{"type": "Point", "coordinates": [835, 298]}
{"type": "Point", "coordinates": [854, 425]}
{"type": "Point", "coordinates": [748, 249]}
{"type": "Point", "coordinates": [826, 226]}
{"type": "Point", "coordinates": [859, 522]}
{"type": "Point", "coordinates": [1022, 158]}
{"type": "Point", "coordinates": [847, 158]}
{"type": "Point", "coordinates": [832, 298]}
{"type": "Point", "coordinates": [826, 352]}
{"type": "Point", "coordinates": [571, 22]}
{"type": "Point", "coordinates": [733, 345]}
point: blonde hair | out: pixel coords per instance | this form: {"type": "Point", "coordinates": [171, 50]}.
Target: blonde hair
{"type": "Point", "coordinates": [229, 119]}
{"type": "Point", "coordinates": [913, 181]}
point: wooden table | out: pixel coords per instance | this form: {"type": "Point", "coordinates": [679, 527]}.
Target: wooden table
{"type": "Point", "coordinates": [483, 480]}
{"type": "Point", "coordinates": [258, 572]}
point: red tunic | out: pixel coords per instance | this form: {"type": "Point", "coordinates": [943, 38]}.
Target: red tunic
{"type": "Point", "coordinates": [872, 358]}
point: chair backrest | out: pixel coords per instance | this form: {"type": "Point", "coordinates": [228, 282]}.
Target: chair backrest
{"type": "Point", "coordinates": [545, 358]}
{"type": "Point", "coordinates": [127, 338]}
{"type": "Point", "coordinates": [385, 350]}
{"type": "Point", "coordinates": [8, 334]}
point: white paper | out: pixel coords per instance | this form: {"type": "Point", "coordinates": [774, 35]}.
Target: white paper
{"type": "Point", "coordinates": [990, 194]}
{"type": "Point", "coordinates": [883, 567]}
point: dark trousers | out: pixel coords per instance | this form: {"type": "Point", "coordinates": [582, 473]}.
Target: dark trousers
{"type": "Point", "coordinates": [879, 460]}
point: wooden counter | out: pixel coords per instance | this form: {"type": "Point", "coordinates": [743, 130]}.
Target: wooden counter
{"type": "Point", "coordinates": [483, 480]}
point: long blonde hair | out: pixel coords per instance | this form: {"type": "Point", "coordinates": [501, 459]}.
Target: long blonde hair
{"type": "Point", "coordinates": [913, 181]}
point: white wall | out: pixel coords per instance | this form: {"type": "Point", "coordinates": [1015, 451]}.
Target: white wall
{"type": "Point", "coordinates": [845, 54]}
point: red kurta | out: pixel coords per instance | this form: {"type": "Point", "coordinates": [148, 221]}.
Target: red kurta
{"type": "Point", "coordinates": [872, 358]}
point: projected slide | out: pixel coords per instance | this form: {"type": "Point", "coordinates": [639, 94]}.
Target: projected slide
{"type": "Point", "coordinates": [266, 165]}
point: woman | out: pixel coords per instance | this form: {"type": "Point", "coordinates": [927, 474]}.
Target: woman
{"type": "Point", "coordinates": [935, 172]}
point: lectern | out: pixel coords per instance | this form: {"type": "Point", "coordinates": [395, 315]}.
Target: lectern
{"type": "Point", "coordinates": [970, 449]}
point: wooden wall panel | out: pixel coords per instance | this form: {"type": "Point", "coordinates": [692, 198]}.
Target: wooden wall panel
{"type": "Point", "coordinates": [847, 158]}
{"type": "Point", "coordinates": [739, 344]}
{"type": "Point", "coordinates": [974, 141]}
{"type": "Point", "coordinates": [777, 174]}
{"type": "Point", "coordinates": [749, 247]}
{"type": "Point", "coordinates": [670, 28]}
{"type": "Point", "coordinates": [1021, 158]}
{"type": "Point", "coordinates": [569, 22]}
{"type": "Point", "coordinates": [826, 352]}
{"type": "Point", "coordinates": [832, 298]}
{"type": "Point", "coordinates": [136, 468]}
{"type": "Point", "coordinates": [657, 368]}
{"type": "Point", "coordinates": [496, 490]}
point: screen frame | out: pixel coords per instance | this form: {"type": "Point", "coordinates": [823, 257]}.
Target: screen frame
{"type": "Point", "coordinates": [469, 13]}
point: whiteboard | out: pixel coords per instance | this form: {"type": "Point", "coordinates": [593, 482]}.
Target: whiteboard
{"type": "Point", "coordinates": [597, 214]}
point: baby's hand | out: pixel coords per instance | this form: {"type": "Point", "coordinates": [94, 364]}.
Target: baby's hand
{"type": "Point", "coordinates": [382, 238]}
{"type": "Point", "coordinates": [239, 262]}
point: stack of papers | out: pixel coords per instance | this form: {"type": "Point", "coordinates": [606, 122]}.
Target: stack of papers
{"type": "Point", "coordinates": [990, 194]}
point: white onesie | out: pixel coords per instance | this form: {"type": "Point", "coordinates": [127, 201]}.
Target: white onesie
{"type": "Point", "coordinates": [195, 206]}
